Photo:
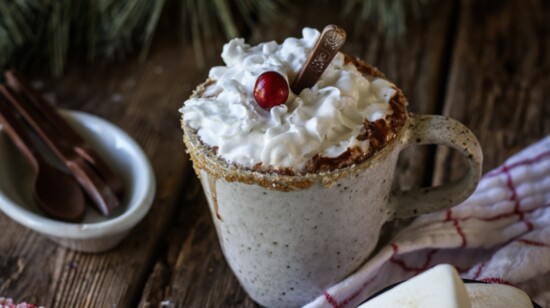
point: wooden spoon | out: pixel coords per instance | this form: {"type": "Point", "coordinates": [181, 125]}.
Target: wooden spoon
{"type": "Point", "coordinates": [55, 192]}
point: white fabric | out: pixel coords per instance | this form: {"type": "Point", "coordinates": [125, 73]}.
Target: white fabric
{"type": "Point", "coordinates": [9, 303]}
{"type": "Point", "coordinates": [500, 234]}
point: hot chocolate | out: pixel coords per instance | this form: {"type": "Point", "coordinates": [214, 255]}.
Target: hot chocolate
{"type": "Point", "coordinates": [299, 189]}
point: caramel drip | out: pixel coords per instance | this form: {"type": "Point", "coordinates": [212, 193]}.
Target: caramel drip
{"type": "Point", "coordinates": [214, 195]}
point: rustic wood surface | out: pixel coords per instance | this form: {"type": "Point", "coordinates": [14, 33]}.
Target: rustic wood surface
{"type": "Point", "coordinates": [484, 63]}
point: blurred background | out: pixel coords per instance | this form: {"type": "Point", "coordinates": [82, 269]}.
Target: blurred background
{"type": "Point", "coordinates": [52, 35]}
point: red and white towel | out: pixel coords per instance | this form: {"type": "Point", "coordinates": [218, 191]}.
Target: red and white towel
{"type": "Point", "coordinates": [8, 303]}
{"type": "Point", "coordinates": [500, 234]}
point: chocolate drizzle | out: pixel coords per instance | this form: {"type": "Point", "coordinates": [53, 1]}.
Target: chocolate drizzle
{"type": "Point", "coordinates": [323, 163]}
{"type": "Point", "coordinates": [379, 133]}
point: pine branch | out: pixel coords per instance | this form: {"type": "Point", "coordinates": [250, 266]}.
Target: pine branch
{"type": "Point", "coordinates": [210, 21]}
{"type": "Point", "coordinates": [33, 32]}
{"type": "Point", "coordinates": [389, 16]}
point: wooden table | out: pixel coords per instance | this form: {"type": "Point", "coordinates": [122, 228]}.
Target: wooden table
{"type": "Point", "coordinates": [485, 63]}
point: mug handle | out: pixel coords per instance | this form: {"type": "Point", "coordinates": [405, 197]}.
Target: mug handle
{"type": "Point", "coordinates": [436, 129]}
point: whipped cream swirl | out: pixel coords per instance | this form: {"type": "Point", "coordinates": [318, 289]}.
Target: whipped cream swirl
{"type": "Point", "coordinates": [322, 120]}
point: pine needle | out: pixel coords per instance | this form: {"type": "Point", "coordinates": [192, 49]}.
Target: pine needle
{"type": "Point", "coordinates": [150, 28]}
{"type": "Point", "coordinates": [226, 18]}
{"type": "Point", "coordinates": [389, 16]}
{"type": "Point", "coordinates": [34, 32]}
{"type": "Point", "coordinates": [210, 21]}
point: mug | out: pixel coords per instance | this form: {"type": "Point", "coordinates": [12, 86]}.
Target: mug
{"type": "Point", "coordinates": [289, 237]}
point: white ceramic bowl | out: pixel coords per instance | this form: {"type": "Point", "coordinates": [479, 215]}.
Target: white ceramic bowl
{"type": "Point", "coordinates": [95, 233]}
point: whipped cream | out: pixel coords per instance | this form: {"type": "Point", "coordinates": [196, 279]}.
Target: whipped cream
{"type": "Point", "coordinates": [322, 120]}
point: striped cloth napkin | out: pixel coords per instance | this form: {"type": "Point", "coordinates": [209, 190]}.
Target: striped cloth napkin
{"type": "Point", "coordinates": [9, 303]}
{"type": "Point", "coordinates": [500, 234]}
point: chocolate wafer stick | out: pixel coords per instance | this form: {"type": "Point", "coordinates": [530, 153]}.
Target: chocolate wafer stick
{"type": "Point", "coordinates": [330, 41]}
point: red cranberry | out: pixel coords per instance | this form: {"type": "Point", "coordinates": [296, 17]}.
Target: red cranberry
{"type": "Point", "coordinates": [270, 90]}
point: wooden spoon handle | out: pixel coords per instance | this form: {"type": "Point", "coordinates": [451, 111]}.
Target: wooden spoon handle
{"type": "Point", "coordinates": [97, 189]}
{"type": "Point", "coordinates": [63, 130]}
{"type": "Point", "coordinates": [16, 132]}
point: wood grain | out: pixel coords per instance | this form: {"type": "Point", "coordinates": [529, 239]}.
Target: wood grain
{"type": "Point", "coordinates": [499, 80]}
{"type": "Point", "coordinates": [193, 269]}
{"type": "Point", "coordinates": [143, 99]}
{"type": "Point", "coordinates": [499, 84]}
{"type": "Point", "coordinates": [418, 64]}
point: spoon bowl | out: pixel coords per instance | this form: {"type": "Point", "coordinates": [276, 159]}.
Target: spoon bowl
{"type": "Point", "coordinates": [55, 192]}
{"type": "Point", "coordinates": [95, 233]}
{"type": "Point", "coordinates": [58, 194]}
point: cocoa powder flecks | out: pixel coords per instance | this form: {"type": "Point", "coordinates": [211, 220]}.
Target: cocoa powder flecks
{"type": "Point", "coordinates": [379, 133]}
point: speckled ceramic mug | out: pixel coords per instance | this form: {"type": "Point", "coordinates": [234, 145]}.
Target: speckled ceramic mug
{"type": "Point", "coordinates": [289, 237]}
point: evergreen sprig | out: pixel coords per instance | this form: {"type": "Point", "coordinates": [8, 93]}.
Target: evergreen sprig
{"type": "Point", "coordinates": [208, 21]}
{"type": "Point", "coordinates": [33, 32]}
{"type": "Point", "coordinates": [389, 16]}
